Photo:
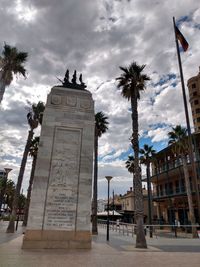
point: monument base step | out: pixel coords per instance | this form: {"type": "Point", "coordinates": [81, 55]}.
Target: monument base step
{"type": "Point", "coordinates": [56, 239]}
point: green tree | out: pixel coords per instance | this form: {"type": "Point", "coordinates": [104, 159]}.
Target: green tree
{"type": "Point", "coordinates": [7, 188]}
{"type": "Point", "coordinates": [133, 81]}
{"type": "Point", "coordinates": [101, 126]}
{"type": "Point", "coordinates": [9, 192]}
{"type": "Point", "coordinates": [147, 154]}
{"type": "Point", "coordinates": [178, 138]}
{"type": "Point", "coordinates": [34, 118]}
{"type": "Point", "coordinates": [3, 182]}
{"type": "Point", "coordinates": [11, 63]}
{"type": "Point", "coordinates": [33, 151]}
{"type": "Point", "coordinates": [22, 201]}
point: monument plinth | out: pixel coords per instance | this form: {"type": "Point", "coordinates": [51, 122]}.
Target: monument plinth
{"type": "Point", "coordinates": [59, 214]}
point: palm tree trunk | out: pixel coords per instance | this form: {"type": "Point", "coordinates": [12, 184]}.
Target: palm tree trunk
{"type": "Point", "coordinates": [11, 225]}
{"type": "Point", "coordinates": [139, 206]}
{"type": "Point", "coordinates": [95, 186]}
{"type": "Point", "coordinates": [29, 191]}
{"type": "Point", "coordinates": [149, 200]}
{"type": "Point", "coordinates": [189, 196]}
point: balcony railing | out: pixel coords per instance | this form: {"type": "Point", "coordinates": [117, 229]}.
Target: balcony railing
{"type": "Point", "coordinates": [170, 165]}
{"type": "Point", "coordinates": [176, 192]}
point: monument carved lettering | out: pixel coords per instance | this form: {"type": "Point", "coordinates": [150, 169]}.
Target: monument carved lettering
{"type": "Point", "coordinates": [63, 181]}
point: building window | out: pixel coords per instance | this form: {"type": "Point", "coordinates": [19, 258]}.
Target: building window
{"type": "Point", "coordinates": [191, 183]}
{"type": "Point", "coordinates": [198, 119]}
{"type": "Point", "coordinates": [182, 185]}
{"type": "Point", "coordinates": [166, 189]}
{"type": "Point", "coordinates": [198, 110]}
{"type": "Point", "coordinates": [157, 190]}
{"type": "Point", "coordinates": [171, 191]}
{"type": "Point", "coordinates": [177, 186]}
{"type": "Point", "coordinates": [196, 102]}
{"type": "Point", "coordinates": [161, 190]}
{"type": "Point", "coordinates": [195, 93]}
{"type": "Point", "coordinates": [194, 85]}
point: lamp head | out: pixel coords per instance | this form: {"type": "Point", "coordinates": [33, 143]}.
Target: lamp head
{"type": "Point", "coordinates": [7, 170]}
{"type": "Point", "coordinates": [108, 178]}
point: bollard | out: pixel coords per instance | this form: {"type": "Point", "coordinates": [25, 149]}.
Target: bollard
{"type": "Point", "coordinates": [17, 223]}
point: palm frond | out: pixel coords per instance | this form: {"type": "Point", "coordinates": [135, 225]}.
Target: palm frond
{"type": "Point", "coordinates": [178, 138]}
{"type": "Point", "coordinates": [130, 164]}
{"type": "Point", "coordinates": [132, 80]}
{"type": "Point", "coordinates": [101, 123]}
{"type": "Point", "coordinates": [12, 63]}
{"type": "Point", "coordinates": [147, 154]}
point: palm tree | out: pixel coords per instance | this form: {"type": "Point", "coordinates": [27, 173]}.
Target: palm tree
{"type": "Point", "coordinates": [11, 63]}
{"type": "Point", "coordinates": [130, 164]}
{"type": "Point", "coordinates": [178, 137]}
{"type": "Point", "coordinates": [133, 82]}
{"type": "Point", "coordinates": [147, 153]}
{"type": "Point", "coordinates": [34, 118]}
{"type": "Point", "coordinates": [101, 126]}
{"type": "Point", "coordinates": [33, 150]}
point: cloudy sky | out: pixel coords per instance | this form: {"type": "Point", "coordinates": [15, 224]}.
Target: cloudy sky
{"type": "Point", "coordinates": [96, 37]}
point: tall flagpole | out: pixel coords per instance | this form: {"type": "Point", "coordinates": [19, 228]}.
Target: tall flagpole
{"type": "Point", "coordinates": [188, 123]}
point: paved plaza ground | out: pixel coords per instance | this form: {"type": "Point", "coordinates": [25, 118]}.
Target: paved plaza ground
{"type": "Point", "coordinates": [119, 251]}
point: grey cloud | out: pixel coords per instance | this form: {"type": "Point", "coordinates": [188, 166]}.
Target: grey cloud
{"type": "Point", "coordinates": [15, 115]}
{"type": "Point", "coordinates": [71, 34]}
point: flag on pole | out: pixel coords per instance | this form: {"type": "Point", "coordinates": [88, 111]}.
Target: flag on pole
{"type": "Point", "coordinates": [181, 39]}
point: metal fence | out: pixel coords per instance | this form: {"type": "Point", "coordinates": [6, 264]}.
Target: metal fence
{"type": "Point", "coordinates": [165, 230]}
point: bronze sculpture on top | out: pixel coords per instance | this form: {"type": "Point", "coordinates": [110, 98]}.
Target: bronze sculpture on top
{"type": "Point", "coordinates": [72, 84]}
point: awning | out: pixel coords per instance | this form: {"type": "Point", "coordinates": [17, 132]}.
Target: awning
{"type": "Point", "coordinates": [111, 213]}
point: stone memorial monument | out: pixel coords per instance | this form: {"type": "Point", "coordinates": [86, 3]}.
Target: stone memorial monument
{"type": "Point", "coordinates": [59, 214]}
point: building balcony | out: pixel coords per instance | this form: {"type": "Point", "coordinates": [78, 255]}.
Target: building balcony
{"type": "Point", "coordinates": [170, 165]}
{"type": "Point", "coordinates": [164, 195]}
{"type": "Point", "coordinates": [172, 170]}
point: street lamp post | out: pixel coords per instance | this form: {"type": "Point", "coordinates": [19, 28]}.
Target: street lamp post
{"type": "Point", "coordinates": [108, 178]}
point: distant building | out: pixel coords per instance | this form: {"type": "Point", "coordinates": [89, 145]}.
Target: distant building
{"type": "Point", "coordinates": [2, 174]}
{"type": "Point", "coordinates": [194, 98]}
{"type": "Point", "coordinates": [128, 201]}
{"type": "Point", "coordinates": [169, 191]}
{"type": "Point", "coordinates": [128, 206]}
{"type": "Point", "coordinates": [116, 204]}
{"type": "Point", "coordinates": [101, 203]}
{"type": "Point", "coordinates": [124, 204]}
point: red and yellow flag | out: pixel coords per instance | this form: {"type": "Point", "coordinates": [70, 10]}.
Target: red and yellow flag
{"type": "Point", "coordinates": [181, 39]}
